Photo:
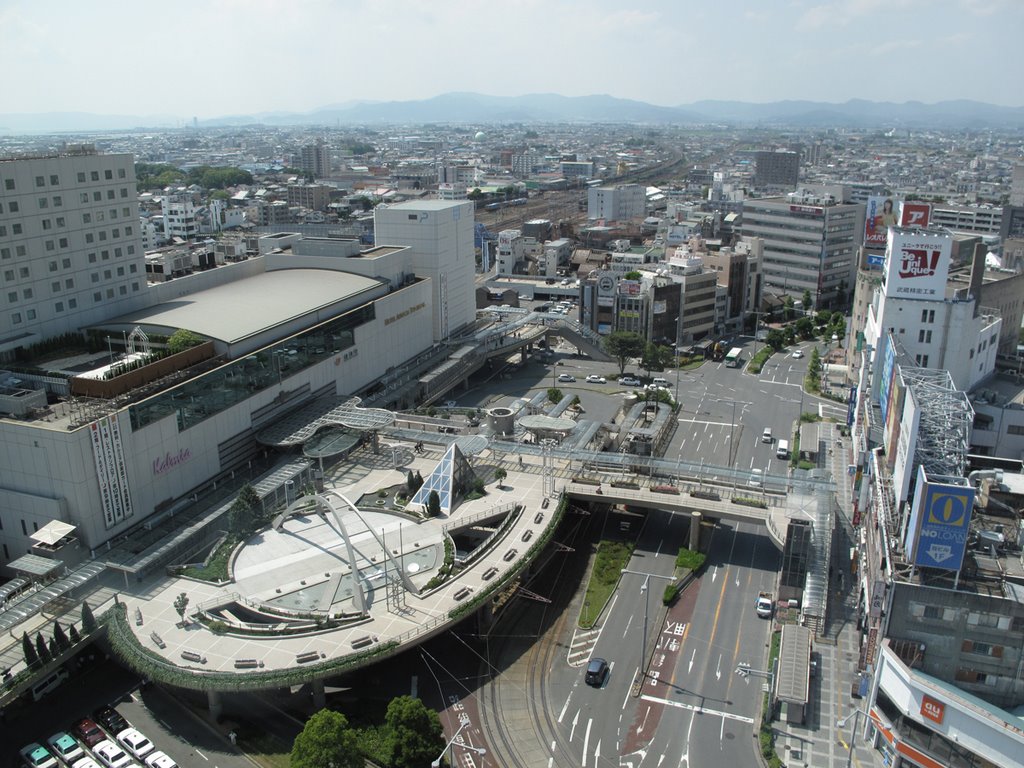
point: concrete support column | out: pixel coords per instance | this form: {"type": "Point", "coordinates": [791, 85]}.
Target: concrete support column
{"type": "Point", "coordinates": [319, 696]}
{"type": "Point", "coordinates": [375, 438]}
{"type": "Point", "coordinates": [215, 704]}
{"type": "Point", "coordinates": [695, 519]}
{"type": "Point", "coordinates": [522, 354]}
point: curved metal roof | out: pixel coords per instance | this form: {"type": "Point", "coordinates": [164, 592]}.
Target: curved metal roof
{"type": "Point", "coordinates": [301, 425]}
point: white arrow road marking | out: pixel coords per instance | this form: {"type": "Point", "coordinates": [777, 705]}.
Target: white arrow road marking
{"type": "Point", "coordinates": [574, 721]}
{"type": "Point", "coordinates": [644, 723]}
{"type": "Point", "coordinates": [565, 707]}
{"type": "Point", "coordinates": [698, 710]}
{"type": "Point", "coordinates": [718, 670]}
{"type": "Point", "coordinates": [586, 741]}
{"type": "Point", "coordinates": [690, 667]}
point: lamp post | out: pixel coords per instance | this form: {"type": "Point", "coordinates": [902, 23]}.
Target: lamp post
{"type": "Point", "coordinates": [732, 426]}
{"type": "Point", "coordinates": [479, 750]}
{"type": "Point", "coordinates": [853, 734]}
{"type": "Point", "coordinates": [743, 669]}
{"type": "Point", "coordinates": [645, 592]}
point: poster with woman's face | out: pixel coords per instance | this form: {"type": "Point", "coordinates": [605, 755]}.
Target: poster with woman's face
{"type": "Point", "coordinates": [881, 214]}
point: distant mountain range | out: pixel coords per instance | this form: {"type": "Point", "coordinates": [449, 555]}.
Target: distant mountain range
{"type": "Point", "coordinates": [478, 109]}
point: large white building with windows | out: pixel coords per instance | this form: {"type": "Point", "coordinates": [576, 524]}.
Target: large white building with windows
{"type": "Point", "coordinates": [810, 244]}
{"type": "Point", "coordinates": [70, 246]}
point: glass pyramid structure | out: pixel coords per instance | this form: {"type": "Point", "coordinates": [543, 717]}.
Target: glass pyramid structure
{"type": "Point", "coordinates": [449, 478]}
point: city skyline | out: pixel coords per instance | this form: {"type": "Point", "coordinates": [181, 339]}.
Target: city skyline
{"type": "Point", "coordinates": [225, 58]}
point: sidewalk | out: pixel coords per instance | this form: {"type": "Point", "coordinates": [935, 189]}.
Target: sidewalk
{"type": "Point", "coordinates": [819, 743]}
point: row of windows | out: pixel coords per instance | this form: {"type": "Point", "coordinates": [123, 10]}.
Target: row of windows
{"type": "Point", "coordinates": [97, 195]}
{"type": "Point", "coordinates": [54, 179]}
{"type": "Point", "coordinates": [51, 245]}
{"type": "Point", "coordinates": [53, 265]}
{"type": "Point", "coordinates": [59, 307]}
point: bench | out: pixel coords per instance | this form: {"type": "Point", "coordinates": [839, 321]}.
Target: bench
{"type": "Point", "coordinates": [193, 656]}
{"type": "Point", "coordinates": [510, 555]}
{"type": "Point", "coordinates": [362, 642]}
{"type": "Point", "coordinates": [538, 518]}
{"type": "Point", "coordinates": [247, 663]}
{"type": "Point", "coordinates": [308, 656]}
{"type": "Point", "coordinates": [462, 593]}
{"type": "Point", "coordinates": [489, 573]}
{"type": "Point", "coordinates": [158, 640]}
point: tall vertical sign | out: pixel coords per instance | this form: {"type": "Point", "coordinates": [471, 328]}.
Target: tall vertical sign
{"type": "Point", "coordinates": [111, 472]}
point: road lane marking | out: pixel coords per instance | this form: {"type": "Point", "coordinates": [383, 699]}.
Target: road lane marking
{"type": "Point", "coordinates": [202, 755]}
{"type": "Point", "coordinates": [696, 709]}
{"type": "Point", "coordinates": [629, 691]}
{"type": "Point", "coordinates": [628, 622]}
{"type": "Point", "coordinates": [586, 741]}
{"type": "Point", "coordinates": [564, 707]}
{"type": "Point", "coordinates": [575, 720]}
{"type": "Point", "coordinates": [689, 669]}
{"type": "Point", "coordinates": [707, 423]}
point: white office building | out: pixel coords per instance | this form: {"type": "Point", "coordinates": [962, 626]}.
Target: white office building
{"type": "Point", "coordinates": [619, 203]}
{"type": "Point", "coordinates": [70, 246]}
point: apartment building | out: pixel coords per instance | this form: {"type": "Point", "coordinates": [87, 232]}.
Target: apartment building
{"type": "Point", "coordinates": [776, 169]}
{"type": "Point", "coordinates": [619, 203]}
{"type": "Point", "coordinates": [316, 159]}
{"type": "Point", "coordinates": [70, 248]}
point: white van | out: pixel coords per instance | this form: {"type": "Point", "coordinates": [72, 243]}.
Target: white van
{"type": "Point", "coordinates": [766, 436]}
{"type": "Point", "coordinates": [782, 450]}
{"type": "Point", "coordinates": [658, 381]}
{"type": "Point", "coordinates": [48, 683]}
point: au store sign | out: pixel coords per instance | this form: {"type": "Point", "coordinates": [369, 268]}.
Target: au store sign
{"type": "Point", "coordinates": [933, 709]}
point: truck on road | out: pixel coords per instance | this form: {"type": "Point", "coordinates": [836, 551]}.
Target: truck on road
{"type": "Point", "coordinates": [764, 605]}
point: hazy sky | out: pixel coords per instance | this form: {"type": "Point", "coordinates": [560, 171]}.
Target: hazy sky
{"type": "Point", "coordinates": [209, 58]}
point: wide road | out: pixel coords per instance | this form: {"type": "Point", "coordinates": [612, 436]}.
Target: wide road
{"type": "Point", "coordinates": [698, 712]}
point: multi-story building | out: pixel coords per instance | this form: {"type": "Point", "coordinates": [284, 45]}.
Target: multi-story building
{"type": "Point", "coordinates": [514, 250]}
{"type": "Point", "coordinates": [180, 216]}
{"type": "Point", "coordinates": [316, 159]}
{"type": "Point", "coordinates": [698, 288]}
{"type": "Point", "coordinates": [810, 244]}
{"type": "Point", "coordinates": [938, 328]}
{"type": "Point", "coordinates": [982, 219]}
{"type": "Point", "coordinates": [523, 164]}
{"type": "Point", "coordinates": [573, 169]}
{"type": "Point", "coordinates": [739, 277]}
{"type": "Point", "coordinates": [440, 235]}
{"type": "Point", "coordinates": [776, 169]}
{"type": "Point", "coordinates": [315, 197]}
{"type": "Point", "coordinates": [619, 203]}
{"type": "Point", "coordinates": [70, 250]}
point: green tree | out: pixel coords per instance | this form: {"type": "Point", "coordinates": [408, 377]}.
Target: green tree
{"type": "Point", "coordinates": [88, 620]}
{"type": "Point", "coordinates": [60, 637]}
{"type": "Point", "coordinates": [554, 394]}
{"type": "Point", "coordinates": [633, 275]}
{"type": "Point", "coordinates": [326, 740]}
{"type": "Point", "coordinates": [248, 497]}
{"type": "Point", "coordinates": [623, 345]}
{"type": "Point", "coordinates": [220, 194]}
{"type": "Point", "coordinates": [776, 339]}
{"type": "Point", "coordinates": [183, 339]}
{"type": "Point", "coordinates": [75, 637]}
{"type": "Point", "coordinates": [500, 475]}
{"type": "Point", "coordinates": [807, 300]}
{"type": "Point", "coordinates": [475, 195]}
{"type": "Point", "coordinates": [239, 520]}
{"type": "Point", "coordinates": [419, 480]}
{"type": "Point", "coordinates": [410, 483]}
{"type": "Point", "coordinates": [31, 657]}
{"type": "Point", "coordinates": [789, 305]}
{"type": "Point", "coordinates": [433, 504]}
{"type": "Point", "coordinates": [181, 605]}
{"type": "Point", "coordinates": [805, 327]}
{"type": "Point", "coordinates": [414, 732]}
{"type": "Point", "coordinates": [814, 365]}
{"type": "Point", "coordinates": [43, 650]}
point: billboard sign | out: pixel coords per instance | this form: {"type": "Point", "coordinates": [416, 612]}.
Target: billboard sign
{"type": "Point", "coordinates": [807, 210]}
{"type": "Point", "coordinates": [888, 372]}
{"type": "Point", "coordinates": [915, 214]}
{"type": "Point", "coordinates": [916, 265]}
{"type": "Point", "coordinates": [660, 307]}
{"type": "Point", "coordinates": [933, 709]}
{"type": "Point", "coordinates": [940, 520]}
{"type": "Point", "coordinates": [851, 406]}
{"type": "Point", "coordinates": [906, 444]}
{"type": "Point", "coordinates": [876, 260]}
{"type": "Point", "coordinates": [881, 214]}
{"type": "Point", "coordinates": [629, 287]}
{"type": "Point", "coordinates": [606, 290]}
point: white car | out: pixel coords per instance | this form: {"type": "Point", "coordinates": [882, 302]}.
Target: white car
{"type": "Point", "coordinates": [135, 742]}
{"type": "Point", "coordinates": [629, 381]}
{"type": "Point", "coordinates": [798, 353]}
{"type": "Point", "coordinates": [160, 760]}
{"type": "Point", "coordinates": [756, 478]}
{"type": "Point", "coordinates": [86, 762]}
{"type": "Point", "coordinates": [112, 755]}
{"type": "Point", "coordinates": [595, 379]}
{"type": "Point", "coordinates": [566, 377]}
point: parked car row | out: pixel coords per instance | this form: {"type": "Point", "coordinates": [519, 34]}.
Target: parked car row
{"type": "Point", "coordinates": [106, 740]}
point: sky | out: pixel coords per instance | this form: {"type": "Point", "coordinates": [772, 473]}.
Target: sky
{"type": "Point", "coordinates": [212, 58]}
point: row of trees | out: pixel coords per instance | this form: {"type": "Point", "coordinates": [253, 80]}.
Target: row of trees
{"type": "Point", "coordinates": [160, 175]}
{"type": "Point", "coordinates": [41, 652]}
{"type": "Point", "coordinates": [624, 345]}
{"type": "Point", "coordinates": [410, 737]}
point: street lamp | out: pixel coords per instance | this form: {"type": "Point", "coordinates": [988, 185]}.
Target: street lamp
{"type": "Point", "coordinates": [853, 734]}
{"type": "Point", "coordinates": [644, 591]}
{"type": "Point", "coordinates": [479, 750]}
{"type": "Point", "coordinates": [732, 426]}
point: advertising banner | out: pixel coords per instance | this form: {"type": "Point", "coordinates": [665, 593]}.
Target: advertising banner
{"type": "Point", "coordinates": [915, 214]}
{"type": "Point", "coordinates": [916, 265]}
{"type": "Point", "coordinates": [606, 291]}
{"type": "Point", "coordinates": [887, 375]}
{"type": "Point", "coordinates": [881, 214]}
{"type": "Point", "coordinates": [660, 307]}
{"type": "Point", "coordinates": [939, 523]}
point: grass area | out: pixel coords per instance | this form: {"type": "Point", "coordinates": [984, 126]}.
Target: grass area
{"type": "Point", "coordinates": [267, 750]}
{"type": "Point", "coordinates": [757, 361]}
{"type": "Point", "coordinates": [689, 559]}
{"type": "Point", "coordinates": [612, 557]}
{"type": "Point", "coordinates": [216, 569]}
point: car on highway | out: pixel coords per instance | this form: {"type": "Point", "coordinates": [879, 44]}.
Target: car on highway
{"type": "Point", "coordinates": [756, 478]}
{"type": "Point", "coordinates": [566, 377]}
{"type": "Point", "coordinates": [132, 740]}
{"type": "Point", "coordinates": [87, 732]}
{"type": "Point", "coordinates": [65, 747]}
{"type": "Point", "coordinates": [160, 760]}
{"type": "Point", "coordinates": [595, 379]}
{"type": "Point", "coordinates": [110, 719]}
{"type": "Point", "coordinates": [798, 353]}
{"type": "Point", "coordinates": [597, 671]}
{"type": "Point", "coordinates": [38, 756]}
{"type": "Point", "coordinates": [112, 755]}
{"type": "Point", "coordinates": [629, 381]}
